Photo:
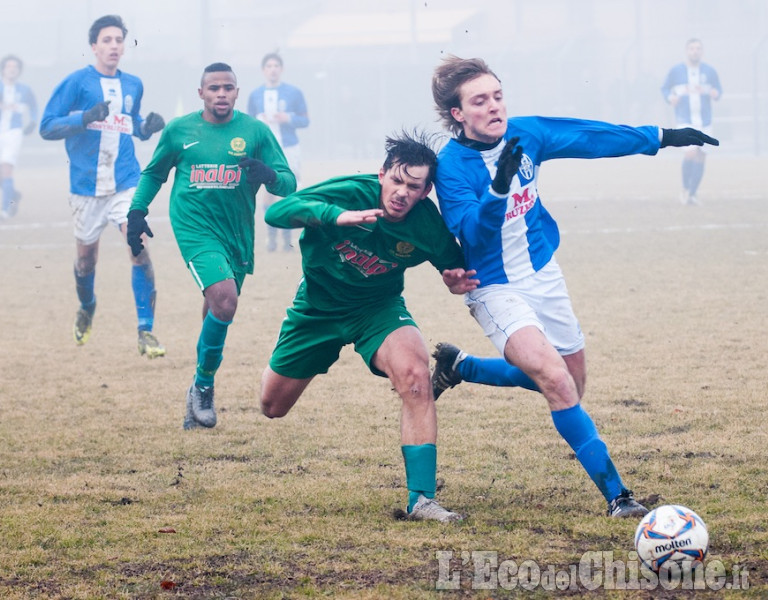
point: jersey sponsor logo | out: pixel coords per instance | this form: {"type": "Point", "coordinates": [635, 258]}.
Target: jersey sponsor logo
{"type": "Point", "coordinates": [114, 122]}
{"type": "Point", "coordinates": [521, 204]}
{"type": "Point", "coordinates": [214, 176]}
{"type": "Point", "coordinates": [189, 144]}
{"type": "Point", "coordinates": [363, 260]}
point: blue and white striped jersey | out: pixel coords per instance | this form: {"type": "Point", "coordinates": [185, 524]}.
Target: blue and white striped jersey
{"type": "Point", "coordinates": [692, 85]}
{"type": "Point", "coordinates": [102, 160]}
{"type": "Point", "coordinates": [283, 98]}
{"type": "Point", "coordinates": [506, 239]}
{"type": "Point", "coordinates": [18, 108]}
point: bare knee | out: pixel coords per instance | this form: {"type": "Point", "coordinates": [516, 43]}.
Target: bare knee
{"type": "Point", "coordinates": [413, 383]}
{"type": "Point", "coordinates": [273, 410]}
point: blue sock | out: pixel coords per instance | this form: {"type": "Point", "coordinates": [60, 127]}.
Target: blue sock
{"type": "Point", "coordinates": [210, 349]}
{"type": "Point", "coordinates": [420, 471]}
{"type": "Point", "coordinates": [697, 172]}
{"type": "Point", "coordinates": [84, 287]}
{"type": "Point", "coordinates": [494, 371]}
{"type": "Point", "coordinates": [687, 173]}
{"type": "Point", "coordinates": [578, 429]}
{"type": "Point", "coordinates": [9, 194]}
{"type": "Point", "coordinates": [143, 283]}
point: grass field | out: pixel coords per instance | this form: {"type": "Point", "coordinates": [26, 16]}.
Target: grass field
{"type": "Point", "coordinates": [103, 495]}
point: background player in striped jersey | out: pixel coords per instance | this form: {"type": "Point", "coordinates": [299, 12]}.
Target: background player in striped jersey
{"type": "Point", "coordinates": [212, 211]}
{"type": "Point", "coordinates": [361, 233]}
{"type": "Point", "coordinates": [96, 110]}
{"type": "Point", "coordinates": [690, 87]}
{"type": "Point", "coordinates": [282, 107]}
{"type": "Point", "coordinates": [487, 189]}
{"type": "Point", "coordinates": [18, 117]}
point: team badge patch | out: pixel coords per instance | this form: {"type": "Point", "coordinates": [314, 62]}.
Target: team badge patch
{"type": "Point", "coordinates": [404, 249]}
{"type": "Point", "coordinates": [526, 167]}
{"type": "Point", "coordinates": [237, 144]}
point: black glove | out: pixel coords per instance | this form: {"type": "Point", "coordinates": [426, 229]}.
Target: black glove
{"type": "Point", "coordinates": [687, 136]}
{"type": "Point", "coordinates": [152, 123]}
{"type": "Point", "coordinates": [507, 166]}
{"type": "Point", "coordinates": [99, 112]}
{"type": "Point", "coordinates": [256, 172]}
{"type": "Point", "coordinates": [137, 225]}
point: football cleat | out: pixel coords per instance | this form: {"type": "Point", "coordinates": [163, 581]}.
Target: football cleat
{"type": "Point", "coordinates": [82, 327]}
{"type": "Point", "coordinates": [427, 509]}
{"type": "Point", "coordinates": [200, 406]}
{"type": "Point", "coordinates": [149, 345]}
{"type": "Point", "coordinates": [625, 505]}
{"type": "Point", "coordinates": [447, 358]}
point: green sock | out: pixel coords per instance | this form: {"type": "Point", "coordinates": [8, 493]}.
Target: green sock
{"type": "Point", "coordinates": [420, 471]}
{"type": "Point", "coordinates": [210, 349]}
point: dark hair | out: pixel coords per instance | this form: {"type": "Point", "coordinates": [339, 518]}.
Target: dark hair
{"type": "Point", "coordinates": [217, 67]}
{"type": "Point", "coordinates": [693, 41]}
{"type": "Point", "coordinates": [411, 149]}
{"type": "Point", "coordinates": [101, 23]}
{"type": "Point", "coordinates": [271, 56]}
{"type": "Point", "coordinates": [447, 81]}
{"type": "Point", "coordinates": [9, 57]}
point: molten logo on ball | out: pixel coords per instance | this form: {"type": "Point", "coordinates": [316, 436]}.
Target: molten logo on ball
{"type": "Point", "coordinates": [671, 533]}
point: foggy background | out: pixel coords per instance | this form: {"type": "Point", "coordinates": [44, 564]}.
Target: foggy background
{"type": "Point", "coordinates": [365, 66]}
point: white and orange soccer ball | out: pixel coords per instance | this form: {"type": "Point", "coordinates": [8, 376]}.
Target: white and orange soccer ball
{"type": "Point", "coordinates": [671, 533]}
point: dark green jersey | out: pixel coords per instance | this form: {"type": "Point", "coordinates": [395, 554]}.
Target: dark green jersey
{"type": "Point", "coordinates": [360, 265]}
{"type": "Point", "coordinates": [212, 205]}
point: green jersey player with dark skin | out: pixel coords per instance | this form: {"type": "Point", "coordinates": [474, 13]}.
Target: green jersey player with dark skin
{"type": "Point", "coordinates": [360, 235]}
{"type": "Point", "coordinates": [221, 156]}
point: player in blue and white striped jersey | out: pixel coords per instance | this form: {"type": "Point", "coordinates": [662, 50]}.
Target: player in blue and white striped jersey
{"type": "Point", "coordinates": [690, 87]}
{"type": "Point", "coordinates": [487, 189]}
{"type": "Point", "coordinates": [281, 106]}
{"type": "Point", "coordinates": [18, 117]}
{"type": "Point", "coordinates": [96, 110]}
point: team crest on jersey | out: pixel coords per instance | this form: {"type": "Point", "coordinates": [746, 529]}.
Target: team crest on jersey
{"type": "Point", "coordinates": [128, 103]}
{"type": "Point", "coordinates": [238, 146]}
{"type": "Point", "coordinates": [526, 167]}
{"type": "Point", "coordinates": [404, 249]}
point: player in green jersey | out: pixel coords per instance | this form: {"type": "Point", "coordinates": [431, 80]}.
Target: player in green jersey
{"type": "Point", "coordinates": [222, 157]}
{"type": "Point", "coordinates": [360, 235]}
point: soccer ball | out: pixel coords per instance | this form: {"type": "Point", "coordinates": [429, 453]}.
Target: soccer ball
{"type": "Point", "coordinates": [671, 533]}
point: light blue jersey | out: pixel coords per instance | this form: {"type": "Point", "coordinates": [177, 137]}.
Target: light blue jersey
{"type": "Point", "coordinates": [692, 85]}
{"type": "Point", "coordinates": [283, 98]}
{"type": "Point", "coordinates": [508, 238]}
{"type": "Point", "coordinates": [101, 155]}
{"type": "Point", "coordinates": [23, 108]}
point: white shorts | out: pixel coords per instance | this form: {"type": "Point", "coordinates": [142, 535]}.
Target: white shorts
{"type": "Point", "coordinates": [540, 300]}
{"type": "Point", "coordinates": [10, 144]}
{"type": "Point", "coordinates": [93, 213]}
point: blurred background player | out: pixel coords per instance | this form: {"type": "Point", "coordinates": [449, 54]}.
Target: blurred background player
{"type": "Point", "coordinates": [487, 187]}
{"type": "Point", "coordinates": [96, 111]}
{"type": "Point", "coordinates": [221, 157]}
{"type": "Point", "coordinates": [361, 233]}
{"type": "Point", "coordinates": [18, 117]}
{"type": "Point", "coordinates": [282, 107]}
{"type": "Point", "coordinates": [690, 87]}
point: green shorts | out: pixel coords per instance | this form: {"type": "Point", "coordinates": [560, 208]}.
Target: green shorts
{"type": "Point", "coordinates": [310, 340]}
{"type": "Point", "coordinates": [208, 268]}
